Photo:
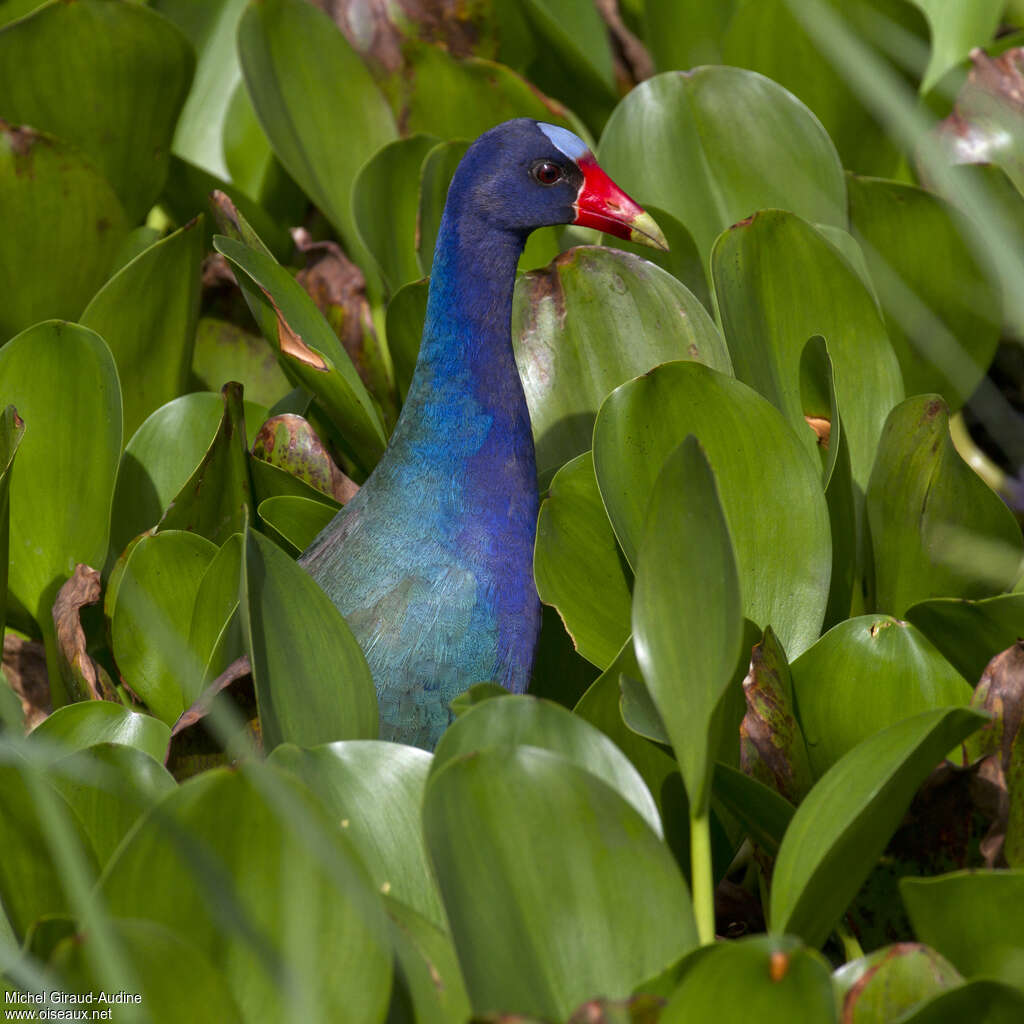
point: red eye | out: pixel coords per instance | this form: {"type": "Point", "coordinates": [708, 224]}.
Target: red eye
{"type": "Point", "coordinates": [546, 172]}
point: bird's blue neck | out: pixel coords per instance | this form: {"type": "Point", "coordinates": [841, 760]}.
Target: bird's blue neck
{"type": "Point", "coordinates": [466, 368]}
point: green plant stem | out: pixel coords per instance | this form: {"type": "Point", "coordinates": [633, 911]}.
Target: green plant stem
{"type": "Point", "coordinates": [851, 947]}
{"type": "Point", "coordinates": [702, 878]}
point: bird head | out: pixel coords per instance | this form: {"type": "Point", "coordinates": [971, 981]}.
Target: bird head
{"type": "Point", "coordinates": [527, 174]}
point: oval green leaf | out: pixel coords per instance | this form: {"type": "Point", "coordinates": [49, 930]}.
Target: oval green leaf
{"type": "Point", "coordinates": [593, 861]}
{"type": "Point", "coordinates": [298, 520]}
{"type": "Point", "coordinates": [87, 723]}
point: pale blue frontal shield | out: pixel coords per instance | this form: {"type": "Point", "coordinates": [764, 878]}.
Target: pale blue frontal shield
{"type": "Point", "coordinates": [564, 141]}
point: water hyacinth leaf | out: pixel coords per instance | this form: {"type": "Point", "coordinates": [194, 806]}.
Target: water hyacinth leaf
{"type": "Point", "coordinates": [453, 98]}
{"type": "Point", "coordinates": [863, 675]}
{"type": "Point", "coordinates": [769, 486]}
{"type": "Point", "coordinates": [312, 682]}
{"type": "Point", "coordinates": [524, 721]}
{"type": "Point", "coordinates": [687, 621]}
{"type": "Point", "coordinates": [770, 978]}
{"type": "Point", "coordinates": [965, 916]}
{"type": "Point", "coordinates": [290, 442]}
{"type": "Point", "coordinates": [31, 882]}
{"type": "Point", "coordinates": [936, 528]}
{"type": "Point", "coordinates": [12, 429]}
{"type": "Point", "coordinates": [297, 520]}
{"type": "Point", "coordinates": [941, 310]}
{"type": "Point", "coordinates": [768, 38]}
{"type": "Point", "coordinates": [225, 351]}
{"type": "Point", "coordinates": [147, 314]}
{"type": "Point", "coordinates": [267, 879]}
{"type": "Point", "coordinates": [390, 181]}
{"type": "Point", "coordinates": [763, 813]}
{"type": "Point", "coordinates": [216, 499]}
{"type": "Point", "coordinates": [578, 566]}
{"type": "Point", "coordinates": [374, 789]}
{"type": "Point", "coordinates": [215, 631]}
{"type": "Point", "coordinates": [62, 380]}
{"type": "Point", "coordinates": [109, 786]}
{"type": "Point", "coordinates": [594, 861]}
{"type": "Point", "coordinates": [157, 959]}
{"type": "Point", "coordinates": [317, 102]}
{"type": "Point", "coordinates": [682, 260]}
{"type": "Point", "coordinates": [211, 29]}
{"type": "Point", "coordinates": [778, 283]}
{"type": "Point", "coordinates": [406, 314]}
{"type": "Point", "coordinates": [684, 33]}
{"type": "Point", "coordinates": [88, 723]}
{"type": "Point", "coordinates": [892, 980]}
{"type": "Point", "coordinates": [111, 78]}
{"type": "Point", "coordinates": [163, 455]}
{"type": "Point", "coordinates": [981, 1002]}
{"type": "Point", "coordinates": [955, 30]}
{"type": "Point", "coordinates": [772, 745]}
{"type": "Point", "coordinates": [428, 980]}
{"type": "Point", "coordinates": [63, 227]}
{"type": "Point", "coordinates": [311, 351]}
{"type": "Point", "coordinates": [970, 633]}
{"type": "Point", "coordinates": [591, 320]}
{"type": "Point", "coordinates": [845, 821]}
{"type": "Point", "coordinates": [151, 619]}
{"type": "Point", "coordinates": [668, 144]}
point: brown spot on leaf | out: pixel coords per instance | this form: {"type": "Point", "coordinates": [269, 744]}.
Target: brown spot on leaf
{"type": "Point", "coordinates": [778, 965]}
{"type": "Point", "coordinates": [224, 210]}
{"type": "Point", "coordinates": [290, 342]}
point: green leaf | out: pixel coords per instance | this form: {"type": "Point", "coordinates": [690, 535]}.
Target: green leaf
{"type": "Point", "coordinates": [290, 442]}
{"type": "Point", "coordinates": [684, 33]}
{"type": "Point", "coordinates": [891, 981]}
{"type": "Point", "coordinates": [845, 821]}
{"type": "Point", "coordinates": [318, 104]}
{"type": "Point", "coordinates": [31, 880]}
{"type": "Point", "coordinates": [980, 1002]}
{"type": "Point", "coordinates": [375, 789]}
{"type": "Point", "coordinates": [592, 861]}
{"type": "Point", "coordinates": [591, 320]}
{"type": "Point", "coordinates": [216, 500]}
{"type": "Point", "coordinates": [147, 314]}
{"type": "Point", "coordinates": [211, 28]}
{"type": "Point", "coordinates": [225, 351]}
{"type": "Point", "coordinates": [436, 174]}
{"type": "Point", "coordinates": [770, 489]}
{"type": "Point", "coordinates": [261, 881]}
{"type": "Point", "coordinates": [312, 682]}
{"type": "Point", "coordinates": [778, 283]}
{"type": "Point", "coordinates": [526, 721]}
{"type": "Point", "coordinates": [406, 313]}
{"type": "Point", "coordinates": [767, 978]}
{"type": "Point", "coordinates": [970, 633]}
{"type": "Point", "coordinates": [63, 226]}
{"type": "Point", "coordinates": [716, 144]}
{"type": "Point", "coordinates": [12, 429]}
{"type": "Point", "coordinates": [157, 959]}
{"type": "Point", "coordinates": [63, 382]}
{"type": "Point", "coordinates": [152, 614]}
{"type": "Point", "coordinates": [956, 29]}
{"type": "Point", "coordinates": [389, 181]}
{"type": "Point", "coordinates": [161, 457]}
{"type": "Point", "coordinates": [761, 811]}
{"type": "Point", "coordinates": [87, 723]}
{"type": "Point", "coordinates": [578, 566]}
{"type": "Point", "coordinates": [215, 631]}
{"type": "Point", "coordinates": [966, 916]}
{"type": "Point", "coordinates": [110, 78]}
{"type": "Point", "coordinates": [941, 310]}
{"type": "Point", "coordinates": [109, 787]}
{"type": "Point", "coordinates": [309, 349]}
{"type": "Point", "coordinates": [866, 674]}
{"type": "Point", "coordinates": [936, 528]}
{"type": "Point", "coordinates": [298, 520]}
{"type": "Point", "coordinates": [687, 623]}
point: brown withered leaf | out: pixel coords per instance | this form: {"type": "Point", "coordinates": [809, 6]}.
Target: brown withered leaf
{"type": "Point", "coordinates": [772, 747]}
{"type": "Point", "coordinates": [290, 442]}
{"type": "Point", "coordinates": [84, 679]}
{"type": "Point", "coordinates": [25, 669]}
{"type": "Point", "coordinates": [633, 62]}
{"type": "Point", "coordinates": [338, 288]}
